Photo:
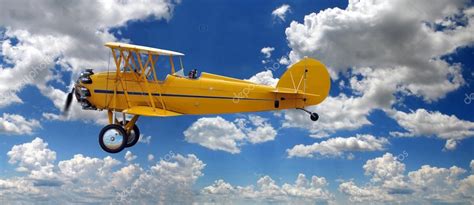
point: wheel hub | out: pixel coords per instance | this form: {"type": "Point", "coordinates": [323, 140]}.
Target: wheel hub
{"type": "Point", "coordinates": [113, 139]}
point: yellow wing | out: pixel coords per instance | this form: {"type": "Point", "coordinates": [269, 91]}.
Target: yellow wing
{"type": "Point", "coordinates": [149, 111]}
{"type": "Point", "coordinates": [143, 49]}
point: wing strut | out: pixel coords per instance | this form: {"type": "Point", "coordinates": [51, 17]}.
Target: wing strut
{"type": "Point", "coordinates": [144, 79]}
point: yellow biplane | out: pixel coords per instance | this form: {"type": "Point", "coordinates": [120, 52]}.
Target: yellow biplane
{"type": "Point", "coordinates": [135, 89]}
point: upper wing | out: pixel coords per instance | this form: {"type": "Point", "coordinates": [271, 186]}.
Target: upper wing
{"type": "Point", "coordinates": [143, 49]}
{"type": "Point", "coordinates": [151, 112]}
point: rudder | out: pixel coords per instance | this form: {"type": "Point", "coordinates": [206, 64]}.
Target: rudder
{"type": "Point", "coordinates": [308, 78]}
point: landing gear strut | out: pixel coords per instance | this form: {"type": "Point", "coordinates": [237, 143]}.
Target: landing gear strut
{"type": "Point", "coordinates": [312, 115]}
{"type": "Point", "coordinates": [117, 136]}
{"type": "Point", "coordinates": [133, 134]}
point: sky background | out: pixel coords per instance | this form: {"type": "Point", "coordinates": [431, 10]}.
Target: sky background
{"type": "Point", "coordinates": [398, 126]}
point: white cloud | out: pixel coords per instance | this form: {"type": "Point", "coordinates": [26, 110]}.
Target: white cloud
{"type": "Point", "coordinates": [386, 170]}
{"type": "Point", "coordinates": [216, 133]}
{"type": "Point", "coordinates": [145, 140]}
{"type": "Point", "coordinates": [428, 184]}
{"type": "Point", "coordinates": [350, 113]}
{"type": "Point", "coordinates": [267, 51]}
{"type": "Point", "coordinates": [466, 188]}
{"type": "Point", "coordinates": [404, 56]}
{"type": "Point", "coordinates": [166, 182]}
{"type": "Point", "coordinates": [284, 60]}
{"type": "Point", "coordinates": [67, 38]}
{"type": "Point", "coordinates": [472, 166]}
{"type": "Point", "coordinates": [93, 180]}
{"type": "Point", "coordinates": [129, 156]}
{"type": "Point", "coordinates": [451, 144]}
{"type": "Point", "coordinates": [264, 78]}
{"type": "Point", "coordinates": [303, 191]}
{"type": "Point", "coordinates": [350, 156]}
{"type": "Point", "coordinates": [151, 157]}
{"type": "Point", "coordinates": [83, 179]}
{"type": "Point", "coordinates": [363, 194]}
{"type": "Point", "coordinates": [262, 131]}
{"type": "Point", "coordinates": [33, 158]}
{"type": "Point", "coordinates": [338, 146]}
{"type": "Point", "coordinates": [220, 187]}
{"type": "Point", "coordinates": [435, 181]}
{"type": "Point", "coordinates": [440, 184]}
{"type": "Point", "coordinates": [420, 124]}
{"type": "Point", "coordinates": [19, 189]}
{"type": "Point", "coordinates": [17, 124]}
{"type": "Point", "coordinates": [83, 167]}
{"type": "Point", "coordinates": [408, 44]}
{"type": "Point", "coordinates": [336, 113]}
{"type": "Point", "coordinates": [281, 12]}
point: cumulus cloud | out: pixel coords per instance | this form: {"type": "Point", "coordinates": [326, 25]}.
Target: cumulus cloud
{"type": "Point", "coordinates": [84, 179]}
{"type": "Point", "coordinates": [267, 51]}
{"type": "Point", "coordinates": [386, 170]}
{"type": "Point", "coordinates": [284, 60]}
{"type": "Point", "coordinates": [420, 123]}
{"type": "Point", "coordinates": [145, 140]}
{"type": "Point", "coordinates": [33, 158]}
{"type": "Point", "coordinates": [151, 157]}
{"type": "Point", "coordinates": [17, 124]}
{"type": "Point", "coordinates": [71, 37]}
{"type": "Point", "coordinates": [264, 78]}
{"type": "Point", "coordinates": [410, 43]}
{"type": "Point", "coordinates": [260, 130]}
{"type": "Point", "coordinates": [336, 113]}
{"type": "Point", "coordinates": [338, 146]}
{"type": "Point", "coordinates": [96, 180]}
{"type": "Point", "coordinates": [363, 194]}
{"type": "Point", "coordinates": [166, 182]}
{"type": "Point", "coordinates": [281, 12]}
{"type": "Point", "coordinates": [404, 56]}
{"type": "Point", "coordinates": [303, 191]}
{"type": "Point", "coordinates": [428, 184]}
{"type": "Point", "coordinates": [216, 133]}
{"type": "Point", "coordinates": [129, 156]}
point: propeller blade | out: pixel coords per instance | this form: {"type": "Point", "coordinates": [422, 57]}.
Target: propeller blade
{"type": "Point", "coordinates": [68, 101]}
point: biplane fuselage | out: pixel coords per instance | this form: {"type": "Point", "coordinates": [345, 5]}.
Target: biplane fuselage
{"type": "Point", "coordinates": [209, 94]}
{"type": "Point", "coordinates": [134, 89]}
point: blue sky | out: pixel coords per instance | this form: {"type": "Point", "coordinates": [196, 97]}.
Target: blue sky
{"type": "Point", "coordinates": [227, 38]}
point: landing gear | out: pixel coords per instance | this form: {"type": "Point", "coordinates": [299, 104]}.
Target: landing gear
{"type": "Point", "coordinates": [117, 136]}
{"type": "Point", "coordinates": [113, 138]}
{"type": "Point", "coordinates": [312, 115]}
{"type": "Point", "coordinates": [133, 135]}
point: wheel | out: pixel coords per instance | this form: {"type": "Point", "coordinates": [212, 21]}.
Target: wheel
{"type": "Point", "coordinates": [314, 116]}
{"type": "Point", "coordinates": [113, 138]}
{"type": "Point", "coordinates": [133, 136]}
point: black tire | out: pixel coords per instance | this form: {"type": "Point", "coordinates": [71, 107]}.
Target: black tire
{"type": "Point", "coordinates": [116, 130]}
{"type": "Point", "coordinates": [133, 137]}
{"type": "Point", "coordinates": [314, 116]}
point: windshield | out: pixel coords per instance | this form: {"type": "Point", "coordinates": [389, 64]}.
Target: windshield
{"type": "Point", "coordinates": [180, 73]}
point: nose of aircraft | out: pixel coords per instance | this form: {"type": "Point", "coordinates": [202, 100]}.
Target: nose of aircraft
{"type": "Point", "coordinates": [81, 92]}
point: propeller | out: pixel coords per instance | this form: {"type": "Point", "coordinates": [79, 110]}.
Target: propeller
{"type": "Point", "coordinates": [68, 101]}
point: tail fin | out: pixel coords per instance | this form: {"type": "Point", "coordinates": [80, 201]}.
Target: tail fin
{"type": "Point", "coordinates": [309, 79]}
